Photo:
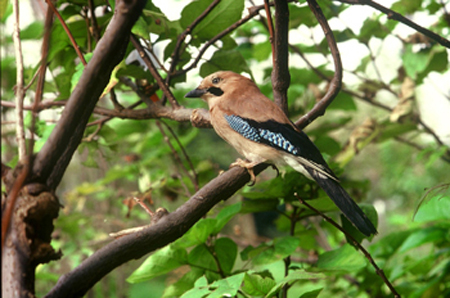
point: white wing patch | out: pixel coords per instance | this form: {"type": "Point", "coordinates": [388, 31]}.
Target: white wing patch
{"type": "Point", "coordinates": [299, 163]}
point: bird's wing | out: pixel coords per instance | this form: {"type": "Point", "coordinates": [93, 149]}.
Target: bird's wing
{"type": "Point", "coordinates": [300, 149]}
{"type": "Point", "coordinates": [283, 137]}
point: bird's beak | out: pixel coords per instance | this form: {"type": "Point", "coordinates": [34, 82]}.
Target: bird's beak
{"type": "Point", "coordinates": [196, 93]}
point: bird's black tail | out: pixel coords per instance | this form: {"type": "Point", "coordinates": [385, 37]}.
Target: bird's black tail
{"type": "Point", "coordinates": [344, 202]}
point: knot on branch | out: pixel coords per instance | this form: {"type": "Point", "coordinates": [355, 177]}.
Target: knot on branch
{"type": "Point", "coordinates": [34, 221]}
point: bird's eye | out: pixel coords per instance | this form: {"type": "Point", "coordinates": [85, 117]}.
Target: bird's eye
{"type": "Point", "coordinates": [215, 80]}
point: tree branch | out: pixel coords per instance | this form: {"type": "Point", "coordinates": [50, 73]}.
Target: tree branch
{"type": "Point", "coordinates": [199, 117]}
{"type": "Point", "coordinates": [281, 77]}
{"type": "Point", "coordinates": [166, 230]}
{"type": "Point", "coordinates": [154, 72]}
{"type": "Point", "coordinates": [51, 162]}
{"type": "Point", "coordinates": [181, 38]}
{"type": "Point", "coordinates": [69, 34]}
{"type": "Point", "coordinates": [20, 92]}
{"type": "Point", "coordinates": [361, 248]}
{"type": "Point", "coordinates": [336, 82]}
{"type": "Point", "coordinates": [398, 17]}
{"type": "Point", "coordinates": [253, 11]}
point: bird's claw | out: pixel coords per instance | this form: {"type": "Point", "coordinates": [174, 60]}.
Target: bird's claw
{"type": "Point", "coordinates": [249, 166]}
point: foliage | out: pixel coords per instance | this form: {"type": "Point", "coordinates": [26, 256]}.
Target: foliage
{"type": "Point", "coordinates": [390, 160]}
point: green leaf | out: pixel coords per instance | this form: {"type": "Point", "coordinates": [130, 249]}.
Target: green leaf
{"type": "Point", "coordinates": [221, 17]}
{"type": "Point", "coordinates": [79, 72]}
{"type": "Point", "coordinates": [406, 6]}
{"type": "Point", "coordinates": [161, 262]}
{"type": "Point", "coordinates": [225, 60]}
{"type": "Point", "coordinates": [345, 258]}
{"type": "Point", "coordinates": [269, 253]}
{"type": "Point", "coordinates": [198, 233]}
{"type": "Point", "coordinates": [419, 64]}
{"type": "Point", "coordinates": [390, 130]}
{"type": "Point", "coordinates": [327, 145]}
{"type": "Point", "coordinates": [436, 208]}
{"type": "Point", "coordinates": [140, 28]}
{"type": "Point", "coordinates": [422, 236]}
{"type": "Point", "coordinates": [33, 31]}
{"type": "Point", "coordinates": [261, 51]}
{"type": "Point", "coordinates": [300, 16]}
{"type": "Point", "coordinates": [388, 245]}
{"type": "Point", "coordinates": [183, 284]}
{"type": "Point", "coordinates": [280, 187]}
{"type": "Point", "coordinates": [293, 277]}
{"type": "Point", "coordinates": [226, 253]}
{"type": "Point", "coordinates": [227, 287]}
{"type": "Point", "coordinates": [311, 294]}
{"type": "Point", "coordinates": [6, 9]}
{"type": "Point", "coordinates": [260, 205]}
{"type": "Point", "coordinates": [197, 292]}
{"type": "Point", "coordinates": [371, 28]}
{"type": "Point", "coordinates": [202, 258]}
{"type": "Point", "coordinates": [225, 215]}
{"type": "Point", "coordinates": [344, 102]}
{"type": "Point", "coordinates": [304, 76]}
{"type": "Point", "coordinates": [257, 285]}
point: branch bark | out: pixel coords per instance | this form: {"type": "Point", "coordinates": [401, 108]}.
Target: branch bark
{"type": "Point", "coordinates": [166, 230]}
{"type": "Point", "coordinates": [281, 78]}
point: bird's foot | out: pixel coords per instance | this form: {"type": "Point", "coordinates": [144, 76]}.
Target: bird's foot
{"type": "Point", "coordinates": [249, 166]}
{"type": "Point", "coordinates": [276, 169]}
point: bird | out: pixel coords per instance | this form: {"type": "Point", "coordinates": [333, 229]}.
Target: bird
{"type": "Point", "coordinates": [262, 133]}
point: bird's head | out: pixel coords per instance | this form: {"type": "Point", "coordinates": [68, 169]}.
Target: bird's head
{"type": "Point", "coordinates": [218, 84]}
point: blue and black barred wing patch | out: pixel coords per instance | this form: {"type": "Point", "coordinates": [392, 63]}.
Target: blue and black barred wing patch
{"type": "Point", "coordinates": [277, 135]}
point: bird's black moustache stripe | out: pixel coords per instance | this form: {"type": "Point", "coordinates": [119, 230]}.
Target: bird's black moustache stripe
{"type": "Point", "coordinates": [216, 91]}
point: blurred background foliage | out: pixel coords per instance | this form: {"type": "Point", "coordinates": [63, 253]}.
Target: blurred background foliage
{"type": "Point", "coordinates": [384, 135]}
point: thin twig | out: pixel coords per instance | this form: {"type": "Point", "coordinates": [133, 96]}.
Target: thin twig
{"type": "Point", "coordinates": [144, 206]}
{"type": "Point", "coordinates": [336, 83]}
{"type": "Point", "coordinates": [94, 24]}
{"type": "Point", "coordinates": [287, 260]}
{"type": "Point", "coordinates": [181, 38]}
{"type": "Point", "coordinates": [253, 11]}
{"type": "Point", "coordinates": [379, 271]}
{"type": "Point", "coordinates": [69, 34]}
{"type": "Point", "coordinates": [398, 17]}
{"type": "Point", "coordinates": [186, 156]}
{"type": "Point", "coordinates": [270, 28]}
{"type": "Point", "coordinates": [20, 93]}
{"type": "Point", "coordinates": [177, 159]}
{"type": "Point", "coordinates": [154, 72]}
{"type": "Point", "coordinates": [40, 78]}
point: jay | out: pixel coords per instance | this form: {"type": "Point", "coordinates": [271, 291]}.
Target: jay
{"type": "Point", "coordinates": [260, 131]}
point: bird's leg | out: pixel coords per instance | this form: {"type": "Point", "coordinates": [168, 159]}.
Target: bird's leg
{"type": "Point", "coordinates": [249, 166]}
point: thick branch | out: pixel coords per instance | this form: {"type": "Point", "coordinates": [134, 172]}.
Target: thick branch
{"type": "Point", "coordinates": [281, 77]}
{"type": "Point", "coordinates": [51, 162]}
{"type": "Point", "coordinates": [163, 232]}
